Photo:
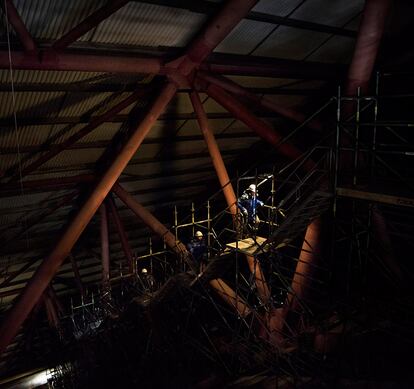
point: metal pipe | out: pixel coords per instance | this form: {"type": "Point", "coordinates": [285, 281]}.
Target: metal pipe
{"type": "Point", "coordinates": [44, 274]}
{"type": "Point", "coordinates": [49, 60]}
{"type": "Point", "coordinates": [232, 87]}
{"type": "Point", "coordinates": [153, 223]}
{"type": "Point", "coordinates": [56, 149]}
{"type": "Point", "coordinates": [230, 297]}
{"type": "Point", "coordinates": [90, 22]}
{"type": "Point", "coordinates": [266, 132]}
{"type": "Point", "coordinates": [219, 27]}
{"type": "Point", "coordinates": [227, 187]}
{"type": "Point", "coordinates": [19, 27]}
{"type": "Point", "coordinates": [121, 233]}
{"type": "Point", "coordinates": [215, 154]}
{"type": "Point", "coordinates": [367, 44]}
{"type": "Point", "coordinates": [104, 246]}
{"type": "Point", "coordinates": [310, 251]}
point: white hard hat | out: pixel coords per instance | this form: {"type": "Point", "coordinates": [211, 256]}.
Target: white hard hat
{"type": "Point", "coordinates": [252, 188]}
{"type": "Point", "coordinates": [199, 234]}
{"type": "Point", "coordinates": [144, 271]}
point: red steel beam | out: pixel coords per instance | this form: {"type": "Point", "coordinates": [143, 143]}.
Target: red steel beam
{"type": "Point", "coordinates": [266, 132]}
{"type": "Point", "coordinates": [217, 29]}
{"type": "Point", "coordinates": [104, 246]}
{"type": "Point", "coordinates": [232, 87]}
{"type": "Point", "coordinates": [367, 44]}
{"type": "Point", "coordinates": [15, 20]}
{"type": "Point", "coordinates": [44, 274]}
{"type": "Point", "coordinates": [156, 226]}
{"type": "Point", "coordinates": [49, 60]}
{"type": "Point", "coordinates": [227, 187]}
{"type": "Point", "coordinates": [215, 154]}
{"type": "Point", "coordinates": [308, 255]}
{"type": "Point", "coordinates": [121, 233]}
{"type": "Point", "coordinates": [56, 149]}
{"type": "Point", "coordinates": [90, 22]}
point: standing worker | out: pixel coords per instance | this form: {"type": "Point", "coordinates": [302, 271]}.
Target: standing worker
{"type": "Point", "coordinates": [248, 204]}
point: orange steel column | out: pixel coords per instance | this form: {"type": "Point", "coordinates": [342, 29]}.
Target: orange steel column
{"type": "Point", "coordinates": [215, 154]}
{"type": "Point", "coordinates": [227, 187]}
{"type": "Point", "coordinates": [44, 274]}
{"type": "Point", "coordinates": [307, 257]}
{"type": "Point", "coordinates": [152, 222]}
{"type": "Point", "coordinates": [104, 248]}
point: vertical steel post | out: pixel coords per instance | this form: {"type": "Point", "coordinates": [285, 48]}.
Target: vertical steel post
{"type": "Point", "coordinates": [121, 233]}
{"type": "Point", "coordinates": [105, 249]}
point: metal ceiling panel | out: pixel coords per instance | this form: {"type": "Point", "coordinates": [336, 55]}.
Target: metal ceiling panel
{"type": "Point", "coordinates": [290, 43]}
{"type": "Point", "coordinates": [68, 158]}
{"type": "Point", "coordinates": [191, 127]}
{"type": "Point", "coordinates": [78, 103]}
{"type": "Point", "coordinates": [164, 128]}
{"type": "Point", "coordinates": [278, 8]}
{"type": "Point", "coordinates": [25, 136]}
{"type": "Point", "coordinates": [332, 13]}
{"type": "Point", "coordinates": [43, 76]}
{"type": "Point", "coordinates": [260, 82]}
{"type": "Point", "coordinates": [338, 49]}
{"type": "Point", "coordinates": [50, 19]}
{"type": "Point", "coordinates": [30, 104]}
{"type": "Point", "coordinates": [148, 25]}
{"type": "Point", "coordinates": [245, 37]}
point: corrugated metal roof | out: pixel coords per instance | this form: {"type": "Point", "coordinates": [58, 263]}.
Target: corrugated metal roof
{"type": "Point", "coordinates": [149, 25]}
{"type": "Point", "coordinates": [279, 8]}
{"type": "Point", "coordinates": [290, 43]}
{"type": "Point", "coordinates": [332, 13]}
{"type": "Point", "coordinates": [26, 136]}
{"type": "Point", "coordinates": [191, 127]}
{"type": "Point", "coordinates": [30, 103]}
{"type": "Point", "coordinates": [50, 19]}
{"type": "Point", "coordinates": [245, 37]}
{"type": "Point", "coordinates": [338, 49]}
{"type": "Point", "coordinates": [43, 76]}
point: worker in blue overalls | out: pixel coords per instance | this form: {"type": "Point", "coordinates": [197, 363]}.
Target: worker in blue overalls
{"type": "Point", "coordinates": [248, 204]}
{"type": "Point", "coordinates": [198, 249]}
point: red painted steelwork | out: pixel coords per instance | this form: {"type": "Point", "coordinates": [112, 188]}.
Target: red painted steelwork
{"type": "Point", "coordinates": [44, 274]}
{"type": "Point", "coordinates": [309, 253]}
{"type": "Point", "coordinates": [156, 226]}
{"type": "Point", "coordinates": [262, 129]}
{"type": "Point", "coordinates": [215, 154]}
{"type": "Point", "coordinates": [79, 135]}
{"type": "Point", "coordinates": [366, 49]}
{"type": "Point", "coordinates": [18, 26]}
{"type": "Point", "coordinates": [90, 22]}
{"type": "Point", "coordinates": [217, 29]}
{"type": "Point", "coordinates": [221, 25]}
{"type": "Point", "coordinates": [227, 187]}
{"type": "Point", "coordinates": [81, 62]}
{"type": "Point", "coordinates": [121, 233]}
{"type": "Point", "coordinates": [104, 246]}
{"type": "Point", "coordinates": [264, 102]}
